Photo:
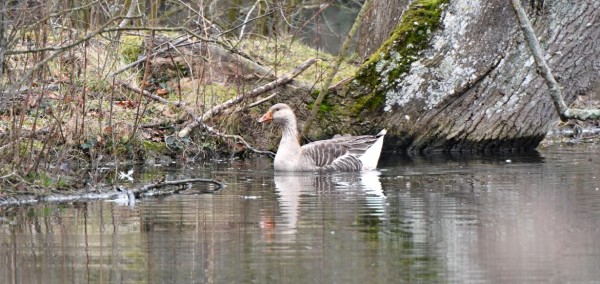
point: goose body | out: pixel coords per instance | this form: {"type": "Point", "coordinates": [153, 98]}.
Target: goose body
{"type": "Point", "coordinates": [341, 153]}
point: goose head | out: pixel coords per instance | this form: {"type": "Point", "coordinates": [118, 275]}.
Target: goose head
{"type": "Point", "coordinates": [279, 114]}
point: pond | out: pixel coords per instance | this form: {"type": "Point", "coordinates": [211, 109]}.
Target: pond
{"type": "Point", "coordinates": [513, 219]}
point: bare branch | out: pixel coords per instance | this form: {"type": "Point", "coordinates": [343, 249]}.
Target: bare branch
{"type": "Point", "coordinates": [246, 20]}
{"type": "Point", "coordinates": [237, 137]}
{"type": "Point", "coordinates": [263, 100]}
{"type": "Point", "coordinates": [148, 94]}
{"type": "Point", "coordinates": [94, 33]}
{"type": "Point", "coordinates": [555, 90]}
{"type": "Point", "coordinates": [133, 5]}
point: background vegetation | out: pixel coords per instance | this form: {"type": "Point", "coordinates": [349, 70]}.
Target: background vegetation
{"type": "Point", "coordinates": [89, 86]}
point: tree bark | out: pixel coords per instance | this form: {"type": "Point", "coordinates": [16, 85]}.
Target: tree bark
{"type": "Point", "coordinates": [378, 23]}
{"type": "Point", "coordinates": [474, 85]}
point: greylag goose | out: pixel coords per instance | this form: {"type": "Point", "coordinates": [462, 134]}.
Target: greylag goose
{"type": "Point", "coordinates": [342, 153]}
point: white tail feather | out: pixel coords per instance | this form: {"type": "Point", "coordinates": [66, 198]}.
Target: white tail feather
{"type": "Point", "coordinates": [371, 157]}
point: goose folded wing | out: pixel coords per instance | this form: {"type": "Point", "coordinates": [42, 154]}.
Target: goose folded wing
{"type": "Point", "coordinates": [346, 163]}
{"type": "Point", "coordinates": [339, 154]}
{"type": "Point", "coordinates": [323, 153]}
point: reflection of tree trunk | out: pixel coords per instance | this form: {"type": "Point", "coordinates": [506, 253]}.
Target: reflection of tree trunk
{"type": "Point", "coordinates": [3, 7]}
{"type": "Point", "coordinates": [474, 85]}
{"type": "Point", "coordinates": [379, 22]}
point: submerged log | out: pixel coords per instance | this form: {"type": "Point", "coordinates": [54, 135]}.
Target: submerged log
{"type": "Point", "coordinates": [117, 194]}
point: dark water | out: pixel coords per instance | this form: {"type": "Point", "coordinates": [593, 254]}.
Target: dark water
{"type": "Point", "coordinates": [533, 218]}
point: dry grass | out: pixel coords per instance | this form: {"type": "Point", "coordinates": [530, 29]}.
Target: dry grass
{"type": "Point", "coordinates": [89, 119]}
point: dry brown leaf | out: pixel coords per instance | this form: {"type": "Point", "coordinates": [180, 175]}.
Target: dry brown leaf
{"type": "Point", "coordinates": [162, 92]}
{"type": "Point", "coordinates": [126, 104]}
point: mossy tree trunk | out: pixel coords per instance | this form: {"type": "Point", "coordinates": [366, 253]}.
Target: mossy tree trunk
{"type": "Point", "coordinates": [457, 76]}
{"type": "Point", "coordinates": [379, 21]}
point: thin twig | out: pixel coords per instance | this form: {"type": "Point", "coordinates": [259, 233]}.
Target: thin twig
{"type": "Point", "coordinates": [8, 175]}
{"type": "Point", "coordinates": [261, 101]}
{"type": "Point", "coordinates": [245, 22]}
{"type": "Point", "coordinates": [246, 19]}
{"type": "Point", "coordinates": [237, 137]}
{"type": "Point", "coordinates": [101, 31]}
{"type": "Point", "coordinates": [149, 95]}
{"type": "Point", "coordinates": [143, 58]}
{"type": "Point", "coordinates": [192, 114]}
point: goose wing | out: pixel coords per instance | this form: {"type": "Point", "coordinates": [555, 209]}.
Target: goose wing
{"type": "Point", "coordinates": [346, 163]}
{"type": "Point", "coordinates": [324, 152]}
{"type": "Point", "coordinates": [338, 154]}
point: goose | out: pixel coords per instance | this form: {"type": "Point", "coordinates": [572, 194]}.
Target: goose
{"type": "Point", "coordinates": [339, 154]}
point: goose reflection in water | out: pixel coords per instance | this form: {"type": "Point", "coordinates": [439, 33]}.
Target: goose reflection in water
{"type": "Point", "coordinates": [297, 192]}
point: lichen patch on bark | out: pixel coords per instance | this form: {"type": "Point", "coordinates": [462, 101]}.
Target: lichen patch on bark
{"type": "Point", "coordinates": [387, 67]}
{"type": "Point", "coordinates": [445, 65]}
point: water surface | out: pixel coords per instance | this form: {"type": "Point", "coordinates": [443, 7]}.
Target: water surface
{"type": "Point", "coordinates": [501, 219]}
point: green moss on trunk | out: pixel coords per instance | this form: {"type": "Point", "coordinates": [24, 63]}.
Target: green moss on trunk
{"type": "Point", "coordinates": [395, 56]}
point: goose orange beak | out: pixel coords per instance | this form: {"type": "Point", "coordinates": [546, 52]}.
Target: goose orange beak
{"type": "Point", "coordinates": [266, 117]}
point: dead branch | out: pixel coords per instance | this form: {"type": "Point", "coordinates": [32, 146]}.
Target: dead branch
{"type": "Point", "coordinates": [102, 30]}
{"type": "Point", "coordinates": [555, 90]}
{"type": "Point", "coordinates": [247, 21]}
{"type": "Point", "coordinates": [59, 50]}
{"type": "Point", "coordinates": [210, 130]}
{"type": "Point", "coordinates": [118, 193]}
{"type": "Point", "coordinates": [149, 95]}
{"type": "Point", "coordinates": [218, 49]}
{"type": "Point", "coordinates": [176, 43]}
{"type": "Point", "coordinates": [144, 191]}
{"type": "Point", "coordinates": [260, 90]}
{"type": "Point", "coordinates": [261, 101]}
{"type": "Point", "coordinates": [237, 137]}
{"type": "Point", "coordinates": [133, 5]}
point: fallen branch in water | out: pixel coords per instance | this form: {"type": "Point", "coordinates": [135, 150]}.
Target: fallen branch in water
{"type": "Point", "coordinates": [146, 190]}
{"type": "Point", "coordinates": [117, 194]}
{"type": "Point", "coordinates": [260, 90]}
